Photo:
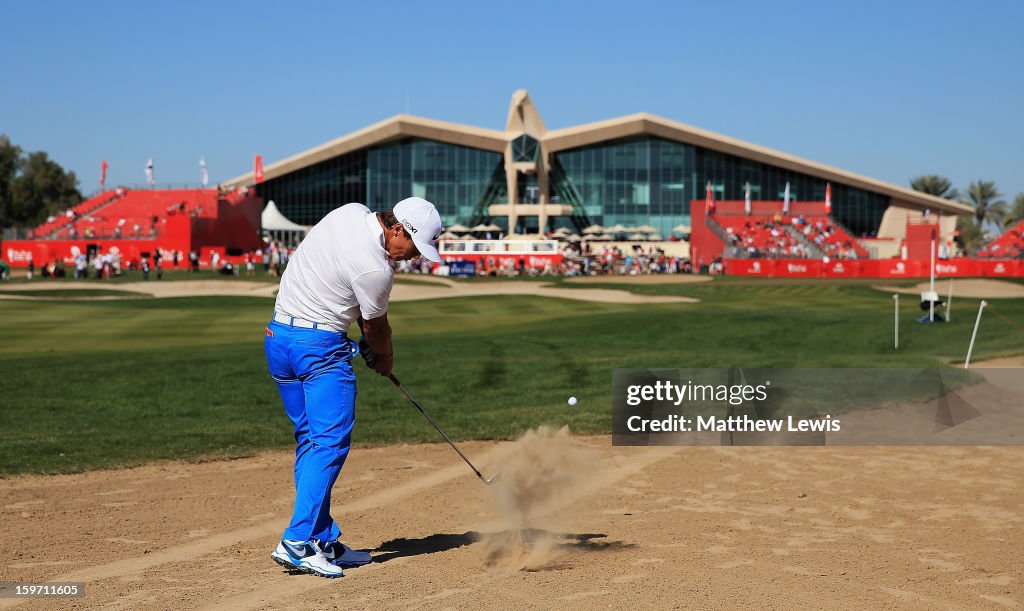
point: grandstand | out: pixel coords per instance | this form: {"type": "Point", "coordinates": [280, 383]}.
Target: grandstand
{"type": "Point", "coordinates": [768, 238]}
{"type": "Point", "coordinates": [1010, 245]}
{"type": "Point", "coordinates": [136, 221]}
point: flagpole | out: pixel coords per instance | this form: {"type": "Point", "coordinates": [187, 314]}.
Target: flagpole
{"type": "Point", "coordinates": [932, 295]}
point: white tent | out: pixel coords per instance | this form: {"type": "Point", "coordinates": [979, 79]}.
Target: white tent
{"type": "Point", "coordinates": [273, 220]}
{"type": "Point", "coordinates": [458, 228]}
{"type": "Point", "coordinates": [278, 227]}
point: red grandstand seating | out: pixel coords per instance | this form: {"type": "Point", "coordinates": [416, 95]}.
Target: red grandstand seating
{"type": "Point", "coordinates": [761, 236]}
{"type": "Point", "coordinates": [141, 213]}
{"type": "Point", "coordinates": [831, 238]}
{"type": "Point", "coordinates": [63, 220]}
{"type": "Point", "coordinates": [1010, 245]}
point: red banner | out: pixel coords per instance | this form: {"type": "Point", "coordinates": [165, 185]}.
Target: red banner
{"type": "Point", "coordinates": [749, 267]}
{"type": "Point", "coordinates": [257, 172]}
{"type": "Point", "coordinates": [798, 268]}
{"type": "Point", "coordinates": [956, 268]}
{"type": "Point", "coordinates": [1000, 269]}
{"type": "Point", "coordinates": [103, 173]}
{"type": "Point", "coordinates": [841, 269]}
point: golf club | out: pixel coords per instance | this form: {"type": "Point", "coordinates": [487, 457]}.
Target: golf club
{"type": "Point", "coordinates": [409, 396]}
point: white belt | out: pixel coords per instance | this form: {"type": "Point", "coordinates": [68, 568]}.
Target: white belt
{"type": "Point", "coordinates": [304, 324]}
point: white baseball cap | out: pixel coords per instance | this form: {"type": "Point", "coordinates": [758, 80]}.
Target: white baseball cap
{"type": "Point", "coordinates": [421, 220]}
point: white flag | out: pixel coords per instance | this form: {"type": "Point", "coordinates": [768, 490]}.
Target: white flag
{"type": "Point", "coordinates": [203, 176]}
{"type": "Point", "coordinates": [149, 172]}
{"type": "Point", "coordinates": [746, 200]}
{"type": "Point", "coordinates": [785, 200]}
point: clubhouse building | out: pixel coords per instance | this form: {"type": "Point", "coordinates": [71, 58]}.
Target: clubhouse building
{"type": "Point", "coordinates": [635, 171]}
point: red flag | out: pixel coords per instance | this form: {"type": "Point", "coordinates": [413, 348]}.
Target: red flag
{"type": "Point", "coordinates": [258, 171]}
{"type": "Point", "coordinates": [709, 202]}
{"type": "Point", "coordinates": [828, 198]}
{"type": "Point", "coordinates": [103, 173]}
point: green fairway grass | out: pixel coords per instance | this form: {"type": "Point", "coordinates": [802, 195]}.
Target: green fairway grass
{"type": "Point", "coordinates": [87, 384]}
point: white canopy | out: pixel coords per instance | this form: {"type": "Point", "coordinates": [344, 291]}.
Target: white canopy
{"type": "Point", "coordinates": [273, 220]}
{"type": "Point", "coordinates": [458, 228]}
{"type": "Point", "coordinates": [594, 229]}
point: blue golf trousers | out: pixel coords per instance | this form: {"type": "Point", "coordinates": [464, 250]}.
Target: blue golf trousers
{"type": "Point", "coordinates": [313, 372]}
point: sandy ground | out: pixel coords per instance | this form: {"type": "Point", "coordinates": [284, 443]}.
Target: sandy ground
{"type": "Point", "coordinates": [648, 279]}
{"type": "Point", "coordinates": [1016, 362]}
{"type": "Point", "coordinates": [975, 288]}
{"type": "Point", "coordinates": [660, 527]}
{"type": "Point", "coordinates": [438, 288]}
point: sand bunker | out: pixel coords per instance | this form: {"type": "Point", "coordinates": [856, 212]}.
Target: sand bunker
{"type": "Point", "coordinates": [971, 287]}
{"type": "Point", "coordinates": [413, 292]}
{"type": "Point", "coordinates": [646, 279]}
{"type": "Point", "coordinates": [403, 291]}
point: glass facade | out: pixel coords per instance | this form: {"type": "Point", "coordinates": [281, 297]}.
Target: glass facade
{"type": "Point", "coordinates": [630, 182]}
{"type": "Point", "coordinates": [457, 179]}
{"type": "Point", "coordinates": [650, 181]}
{"type": "Point", "coordinates": [639, 181]}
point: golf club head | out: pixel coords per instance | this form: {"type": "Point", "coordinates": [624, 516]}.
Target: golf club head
{"type": "Point", "coordinates": [490, 480]}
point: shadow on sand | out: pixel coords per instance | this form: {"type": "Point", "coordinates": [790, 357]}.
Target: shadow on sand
{"type": "Point", "coordinates": [442, 542]}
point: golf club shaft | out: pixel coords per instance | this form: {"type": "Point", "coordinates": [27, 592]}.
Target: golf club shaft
{"type": "Point", "coordinates": [412, 399]}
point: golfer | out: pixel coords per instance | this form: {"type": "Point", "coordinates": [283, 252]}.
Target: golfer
{"type": "Point", "coordinates": [341, 274]}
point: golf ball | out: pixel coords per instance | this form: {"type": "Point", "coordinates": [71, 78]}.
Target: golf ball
{"type": "Point", "coordinates": [572, 400]}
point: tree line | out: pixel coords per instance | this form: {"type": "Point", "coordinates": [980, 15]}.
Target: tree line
{"type": "Point", "coordinates": [992, 214]}
{"type": "Point", "coordinates": [32, 186]}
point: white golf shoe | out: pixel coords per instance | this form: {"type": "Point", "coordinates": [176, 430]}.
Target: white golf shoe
{"type": "Point", "coordinates": [340, 554]}
{"type": "Point", "coordinates": [306, 557]}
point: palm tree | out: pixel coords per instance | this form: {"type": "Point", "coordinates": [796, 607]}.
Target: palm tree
{"type": "Point", "coordinates": [983, 195]}
{"type": "Point", "coordinates": [1016, 213]}
{"type": "Point", "coordinates": [933, 184]}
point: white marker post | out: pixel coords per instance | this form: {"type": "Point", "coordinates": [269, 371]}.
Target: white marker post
{"type": "Point", "coordinates": [970, 348]}
{"type": "Point", "coordinates": [896, 321]}
{"type": "Point", "coordinates": [949, 300]}
{"type": "Point", "coordinates": [931, 283]}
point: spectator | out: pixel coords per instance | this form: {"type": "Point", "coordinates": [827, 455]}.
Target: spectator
{"type": "Point", "coordinates": [81, 266]}
{"type": "Point", "coordinates": [158, 258]}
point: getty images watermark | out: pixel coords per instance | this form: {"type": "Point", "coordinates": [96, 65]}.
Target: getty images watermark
{"type": "Point", "coordinates": [761, 406]}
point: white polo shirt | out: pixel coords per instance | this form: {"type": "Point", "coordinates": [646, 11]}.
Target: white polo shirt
{"type": "Point", "coordinates": [339, 272]}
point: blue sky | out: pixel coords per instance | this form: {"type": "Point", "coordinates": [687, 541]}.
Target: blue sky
{"type": "Point", "coordinates": [886, 89]}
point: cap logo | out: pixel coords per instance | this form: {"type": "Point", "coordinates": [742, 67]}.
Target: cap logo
{"type": "Point", "coordinates": [409, 226]}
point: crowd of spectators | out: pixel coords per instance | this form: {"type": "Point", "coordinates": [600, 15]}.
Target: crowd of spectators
{"type": "Point", "coordinates": [1010, 245]}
